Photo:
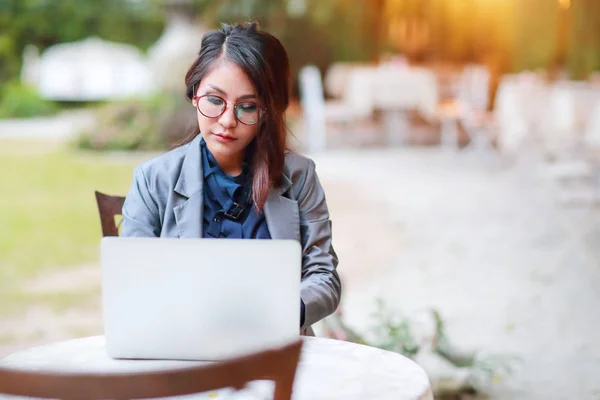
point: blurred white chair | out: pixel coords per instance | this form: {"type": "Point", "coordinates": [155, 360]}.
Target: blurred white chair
{"type": "Point", "coordinates": [535, 103]}
{"type": "Point", "coordinates": [591, 140]}
{"type": "Point", "coordinates": [473, 90]}
{"type": "Point", "coordinates": [584, 167]}
{"type": "Point", "coordinates": [512, 126]}
{"type": "Point", "coordinates": [559, 129]}
{"type": "Point", "coordinates": [312, 102]}
{"type": "Point", "coordinates": [469, 109]}
{"type": "Point", "coordinates": [592, 133]}
{"type": "Point", "coordinates": [576, 141]}
{"type": "Point", "coordinates": [356, 105]}
{"type": "Point", "coordinates": [586, 98]}
{"type": "Point", "coordinates": [473, 99]}
{"type": "Point", "coordinates": [428, 93]}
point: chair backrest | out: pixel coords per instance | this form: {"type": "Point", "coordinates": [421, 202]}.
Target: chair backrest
{"type": "Point", "coordinates": [510, 117]}
{"type": "Point", "coordinates": [278, 365]}
{"type": "Point", "coordinates": [592, 129]}
{"type": "Point", "coordinates": [562, 116]}
{"type": "Point", "coordinates": [474, 88]}
{"type": "Point", "coordinates": [312, 101]}
{"type": "Point", "coordinates": [109, 207]}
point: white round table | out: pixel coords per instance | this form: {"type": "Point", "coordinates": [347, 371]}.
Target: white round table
{"type": "Point", "coordinates": [328, 369]}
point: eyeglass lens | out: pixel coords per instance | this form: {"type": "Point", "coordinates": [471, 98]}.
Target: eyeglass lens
{"type": "Point", "coordinates": [247, 112]}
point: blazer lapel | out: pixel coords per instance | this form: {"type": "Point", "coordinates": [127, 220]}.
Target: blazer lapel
{"type": "Point", "coordinates": [282, 214]}
{"type": "Point", "coordinates": [188, 216]}
{"type": "Point", "coordinates": [188, 213]}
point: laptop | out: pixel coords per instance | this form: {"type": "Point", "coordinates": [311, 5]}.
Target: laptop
{"type": "Point", "coordinates": [198, 299]}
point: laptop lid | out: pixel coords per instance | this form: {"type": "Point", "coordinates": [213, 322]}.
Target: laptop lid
{"type": "Point", "coordinates": [198, 299]}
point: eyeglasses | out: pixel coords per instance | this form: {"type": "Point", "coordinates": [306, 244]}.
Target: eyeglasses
{"type": "Point", "coordinates": [247, 112]}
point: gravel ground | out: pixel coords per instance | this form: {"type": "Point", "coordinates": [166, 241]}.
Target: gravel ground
{"type": "Point", "coordinates": [489, 245]}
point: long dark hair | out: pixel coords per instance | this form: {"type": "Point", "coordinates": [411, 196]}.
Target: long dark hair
{"type": "Point", "coordinates": [264, 59]}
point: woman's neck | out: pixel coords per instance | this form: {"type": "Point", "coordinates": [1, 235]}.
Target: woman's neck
{"type": "Point", "coordinates": [232, 165]}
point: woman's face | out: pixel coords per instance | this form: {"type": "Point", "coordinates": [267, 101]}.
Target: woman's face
{"type": "Point", "coordinates": [225, 136]}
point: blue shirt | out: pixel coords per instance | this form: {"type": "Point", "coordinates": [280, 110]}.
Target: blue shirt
{"type": "Point", "coordinates": [228, 208]}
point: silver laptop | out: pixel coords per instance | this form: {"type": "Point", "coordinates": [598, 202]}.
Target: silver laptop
{"type": "Point", "coordinates": [198, 299]}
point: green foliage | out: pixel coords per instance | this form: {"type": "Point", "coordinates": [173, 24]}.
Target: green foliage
{"type": "Point", "coordinates": [152, 123]}
{"type": "Point", "coordinates": [335, 30]}
{"type": "Point", "coordinates": [524, 34]}
{"type": "Point", "coordinates": [9, 63]}
{"type": "Point", "coordinates": [19, 101]}
{"type": "Point", "coordinates": [584, 55]}
{"type": "Point", "coordinates": [532, 49]}
{"type": "Point", "coordinates": [393, 332]}
{"type": "Point", "coordinates": [50, 219]}
{"type": "Point", "coordinates": [47, 22]}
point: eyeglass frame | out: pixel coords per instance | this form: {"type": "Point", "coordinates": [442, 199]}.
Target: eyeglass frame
{"type": "Point", "coordinates": [227, 104]}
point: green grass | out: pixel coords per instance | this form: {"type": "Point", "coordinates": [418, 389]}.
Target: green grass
{"type": "Point", "coordinates": [15, 301]}
{"type": "Point", "coordinates": [48, 214]}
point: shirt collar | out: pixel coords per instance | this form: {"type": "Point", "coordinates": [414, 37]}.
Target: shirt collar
{"type": "Point", "coordinates": [210, 166]}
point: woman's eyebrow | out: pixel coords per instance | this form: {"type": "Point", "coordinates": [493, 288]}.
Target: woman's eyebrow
{"type": "Point", "coordinates": [218, 89]}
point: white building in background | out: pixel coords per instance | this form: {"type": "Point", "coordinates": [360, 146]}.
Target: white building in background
{"type": "Point", "coordinates": [95, 69]}
{"type": "Point", "coordinates": [88, 70]}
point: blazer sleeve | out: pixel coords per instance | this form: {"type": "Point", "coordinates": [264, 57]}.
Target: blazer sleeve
{"type": "Point", "coordinates": [321, 286]}
{"type": "Point", "coordinates": [140, 211]}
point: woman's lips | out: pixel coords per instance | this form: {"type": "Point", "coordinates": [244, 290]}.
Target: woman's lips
{"type": "Point", "coordinates": [221, 137]}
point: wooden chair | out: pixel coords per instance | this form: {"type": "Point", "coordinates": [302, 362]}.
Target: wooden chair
{"type": "Point", "coordinates": [109, 207]}
{"type": "Point", "coordinates": [278, 365]}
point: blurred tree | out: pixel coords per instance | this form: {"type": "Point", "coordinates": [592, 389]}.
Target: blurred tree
{"type": "Point", "coordinates": [408, 27]}
{"type": "Point", "coordinates": [584, 49]}
{"type": "Point", "coordinates": [542, 31]}
{"type": "Point", "coordinates": [313, 31]}
{"type": "Point", "coordinates": [47, 22]}
{"type": "Point", "coordinates": [513, 34]}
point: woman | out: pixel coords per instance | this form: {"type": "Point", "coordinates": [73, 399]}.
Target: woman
{"type": "Point", "coordinates": [232, 177]}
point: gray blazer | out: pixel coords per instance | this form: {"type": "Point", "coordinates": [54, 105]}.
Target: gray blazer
{"type": "Point", "coordinates": [165, 200]}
